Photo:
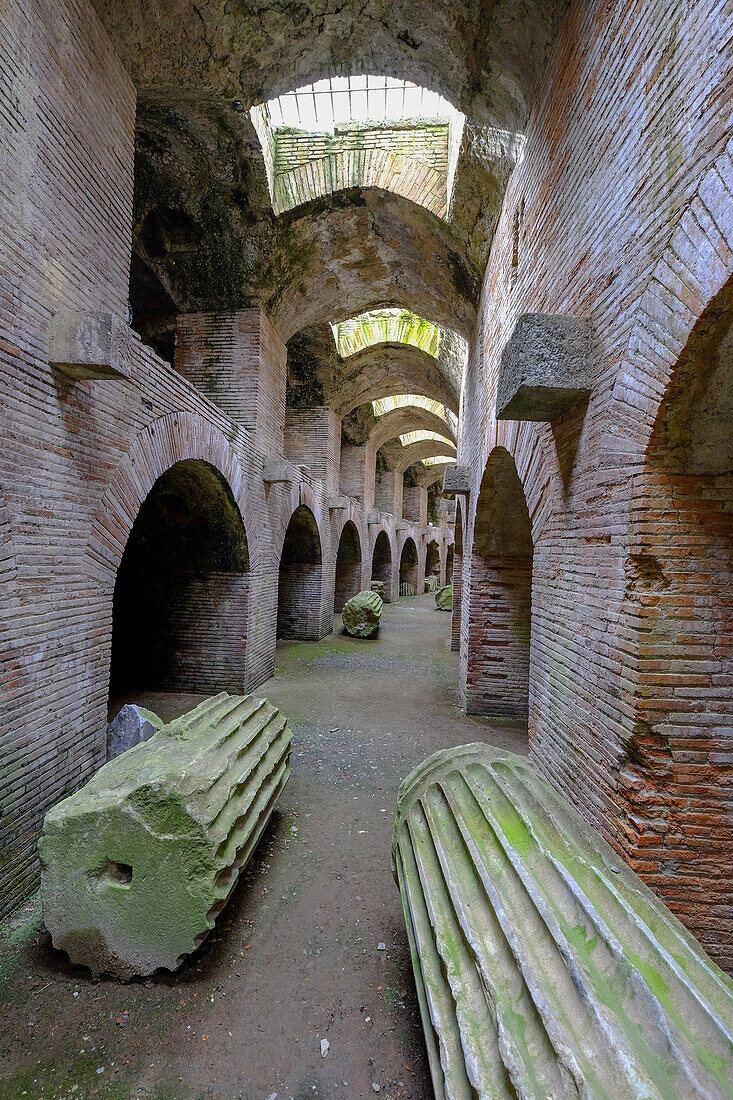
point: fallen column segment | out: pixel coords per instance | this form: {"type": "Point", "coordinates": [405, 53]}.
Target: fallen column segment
{"type": "Point", "coordinates": [137, 865]}
{"type": "Point", "coordinates": [544, 966]}
{"type": "Point", "coordinates": [444, 598]}
{"type": "Point", "coordinates": [362, 613]}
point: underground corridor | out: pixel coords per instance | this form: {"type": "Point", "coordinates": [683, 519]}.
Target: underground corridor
{"type": "Point", "coordinates": [366, 550]}
{"type": "Point", "coordinates": [312, 944]}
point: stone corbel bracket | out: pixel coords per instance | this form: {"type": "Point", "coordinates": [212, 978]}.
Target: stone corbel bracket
{"type": "Point", "coordinates": [374, 517]}
{"type": "Point", "coordinates": [545, 367]}
{"type": "Point", "coordinates": [277, 471]}
{"type": "Point", "coordinates": [401, 525]}
{"type": "Point", "coordinates": [90, 345]}
{"type": "Point", "coordinates": [336, 504]}
{"type": "Point", "coordinates": [457, 481]}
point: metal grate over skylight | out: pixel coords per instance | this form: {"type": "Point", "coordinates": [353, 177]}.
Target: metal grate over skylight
{"type": "Point", "coordinates": [322, 106]}
{"type": "Point", "coordinates": [360, 131]}
{"type": "Point", "coordinates": [381, 326]}
{"type": "Point", "coordinates": [384, 405]}
{"type": "Point", "coordinates": [435, 459]}
{"type": "Point", "coordinates": [422, 434]}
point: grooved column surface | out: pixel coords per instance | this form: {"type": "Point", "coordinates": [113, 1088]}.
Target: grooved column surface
{"type": "Point", "coordinates": [544, 967]}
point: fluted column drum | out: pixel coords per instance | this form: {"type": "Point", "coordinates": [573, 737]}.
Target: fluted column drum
{"type": "Point", "coordinates": [544, 966]}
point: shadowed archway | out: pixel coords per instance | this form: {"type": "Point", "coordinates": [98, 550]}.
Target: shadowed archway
{"type": "Point", "coordinates": [182, 588]}
{"type": "Point", "coordinates": [348, 566]}
{"type": "Point", "coordinates": [300, 578]}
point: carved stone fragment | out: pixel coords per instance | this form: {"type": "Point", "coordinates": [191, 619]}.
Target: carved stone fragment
{"type": "Point", "coordinates": [137, 865]}
{"type": "Point", "coordinates": [544, 966]}
{"type": "Point", "coordinates": [362, 613]}
{"type": "Point", "coordinates": [131, 725]}
{"type": "Point", "coordinates": [444, 598]}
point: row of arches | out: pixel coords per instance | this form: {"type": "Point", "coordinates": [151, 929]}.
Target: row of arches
{"type": "Point", "coordinates": [182, 591]}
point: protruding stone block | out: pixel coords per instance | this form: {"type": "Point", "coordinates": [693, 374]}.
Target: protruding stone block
{"type": "Point", "coordinates": [457, 481]}
{"type": "Point", "coordinates": [545, 367]}
{"type": "Point", "coordinates": [444, 598]}
{"type": "Point", "coordinates": [544, 966]}
{"type": "Point", "coordinates": [374, 517]}
{"type": "Point", "coordinates": [278, 471]}
{"type": "Point", "coordinates": [130, 726]}
{"type": "Point", "coordinates": [137, 865]}
{"type": "Point", "coordinates": [362, 613]}
{"type": "Point", "coordinates": [90, 345]}
{"type": "Point", "coordinates": [401, 525]}
{"type": "Point", "coordinates": [336, 504]}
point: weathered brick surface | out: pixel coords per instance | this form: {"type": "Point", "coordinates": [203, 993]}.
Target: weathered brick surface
{"type": "Point", "coordinates": [624, 191]}
{"type": "Point", "coordinates": [79, 457]}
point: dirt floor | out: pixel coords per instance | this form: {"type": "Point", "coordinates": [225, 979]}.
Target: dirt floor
{"type": "Point", "coordinates": [295, 957]}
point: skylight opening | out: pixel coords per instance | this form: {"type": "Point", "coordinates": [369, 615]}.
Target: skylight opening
{"type": "Point", "coordinates": [435, 459]}
{"type": "Point", "coordinates": [384, 405]}
{"type": "Point", "coordinates": [359, 131]}
{"type": "Point", "coordinates": [380, 326]}
{"type": "Point", "coordinates": [339, 100]}
{"type": "Point", "coordinates": [421, 435]}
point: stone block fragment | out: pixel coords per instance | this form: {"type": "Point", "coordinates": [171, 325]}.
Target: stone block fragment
{"type": "Point", "coordinates": [444, 598]}
{"type": "Point", "coordinates": [378, 587]}
{"type": "Point", "coordinates": [277, 471]}
{"type": "Point", "coordinates": [131, 725]}
{"type": "Point", "coordinates": [544, 966]}
{"type": "Point", "coordinates": [457, 481]}
{"type": "Point", "coordinates": [545, 367]}
{"type": "Point", "coordinates": [407, 589]}
{"type": "Point", "coordinates": [137, 864]}
{"type": "Point", "coordinates": [362, 613]}
{"type": "Point", "coordinates": [90, 345]}
{"type": "Point", "coordinates": [431, 584]}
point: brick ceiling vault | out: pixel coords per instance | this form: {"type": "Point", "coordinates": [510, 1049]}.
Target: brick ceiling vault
{"type": "Point", "coordinates": [205, 233]}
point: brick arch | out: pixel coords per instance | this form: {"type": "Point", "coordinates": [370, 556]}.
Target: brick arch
{"type": "Point", "coordinates": [495, 657]}
{"type": "Point", "coordinates": [347, 564]}
{"type": "Point", "coordinates": [168, 440]}
{"type": "Point", "coordinates": [457, 613]}
{"type": "Point", "coordinates": [385, 570]}
{"type": "Point", "coordinates": [301, 613]}
{"type": "Point", "coordinates": [693, 269]}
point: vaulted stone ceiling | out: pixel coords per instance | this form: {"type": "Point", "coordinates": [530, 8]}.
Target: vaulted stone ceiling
{"type": "Point", "coordinates": [485, 56]}
{"type": "Point", "coordinates": [205, 235]}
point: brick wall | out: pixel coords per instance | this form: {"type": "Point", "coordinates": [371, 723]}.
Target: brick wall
{"type": "Point", "coordinates": [239, 362]}
{"type": "Point", "coordinates": [497, 682]}
{"type": "Point", "coordinates": [623, 196]}
{"type": "Point", "coordinates": [313, 438]}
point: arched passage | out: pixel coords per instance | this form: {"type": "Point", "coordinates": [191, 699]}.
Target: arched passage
{"type": "Point", "coordinates": [449, 564]}
{"type": "Point", "coordinates": [500, 598]}
{"type": "Point", "coordinates": [432, 560]}
{"type": "Point", "coordinates": [408, 568]}
{"type": "Point", "coordinates": [382, 563]}
{"type": "Point", "coordinates": [679, 580]}
{"type": "Point", "coordinates": [456, 579]}
{"type": "Point", "coordinates": [182, 588]}
{"type": "Point", "coordinates": [300, 578]}
{"type": "Point", "coordinates": [348, 566]}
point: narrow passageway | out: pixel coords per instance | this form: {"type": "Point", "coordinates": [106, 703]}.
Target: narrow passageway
{"type": "Point", "coordinates": [312, 945]}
